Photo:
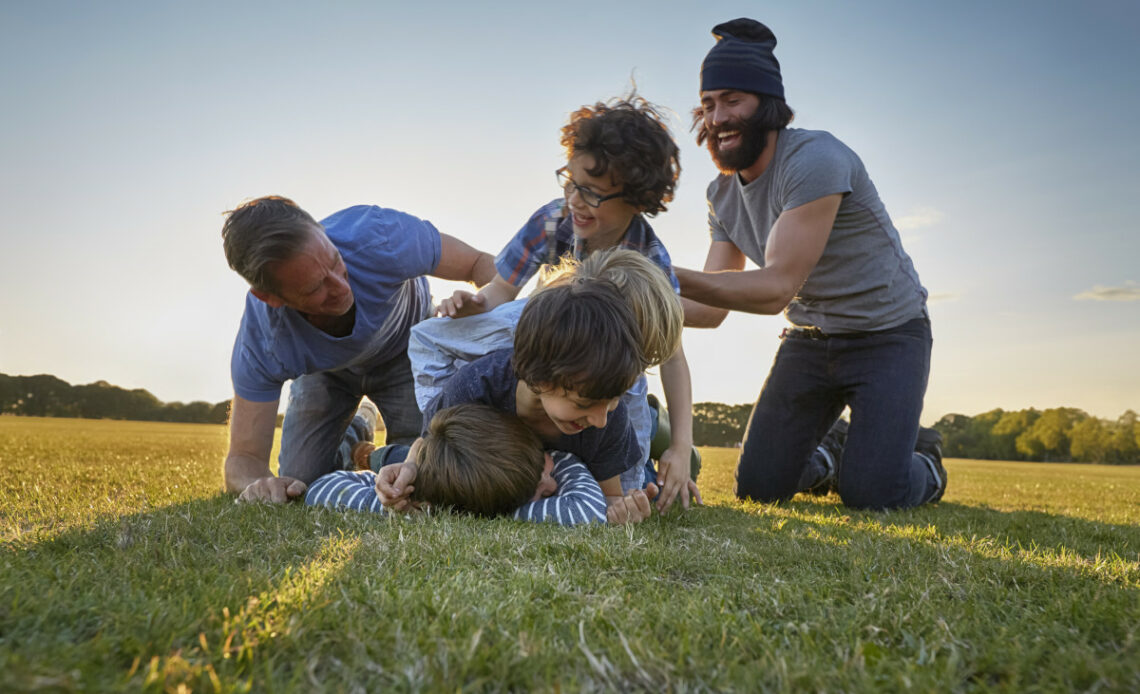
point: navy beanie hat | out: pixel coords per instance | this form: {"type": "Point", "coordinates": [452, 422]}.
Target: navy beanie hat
{"type": "Point", "coordinates": [742, 59]}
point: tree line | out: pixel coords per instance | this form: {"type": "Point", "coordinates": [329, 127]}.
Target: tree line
{"type": "Point", "coordinates": [48, 396]}
{"type": "Point", "coordinates": [1060, 434]}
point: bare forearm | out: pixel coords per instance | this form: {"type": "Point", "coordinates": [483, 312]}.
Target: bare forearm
{"type": "Point", "coordinates": [498, 292]}
{"type": "Point", "coordinates": [754, 291]}
{"type": "Point", "coordinates": [483, 270]}
{"type": "Point", "coordinates": [677, 383]}
{"type": "Point", "coordinates": [698, 315]}
{"type": "Point", "coordinates": [242, 470]}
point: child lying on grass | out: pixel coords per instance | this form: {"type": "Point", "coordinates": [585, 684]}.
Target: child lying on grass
{"type": "Point", "coordinates": [480, 460]}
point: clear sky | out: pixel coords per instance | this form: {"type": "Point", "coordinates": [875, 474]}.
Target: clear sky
{"type": "Point", "coordinates": [1002, 137]}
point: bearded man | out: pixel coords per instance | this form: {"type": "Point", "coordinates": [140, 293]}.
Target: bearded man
{"type": "Point", "coordinates": [800, 205]}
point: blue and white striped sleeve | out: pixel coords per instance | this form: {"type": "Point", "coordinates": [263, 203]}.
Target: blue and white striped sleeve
{"type": "Point", "coordinates": [579, 499]}
{"type": "Point", "coordinates": [344, 489]}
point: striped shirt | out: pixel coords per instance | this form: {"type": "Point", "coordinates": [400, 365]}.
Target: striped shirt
{"type": "Point", "coordinates": [577, 501]}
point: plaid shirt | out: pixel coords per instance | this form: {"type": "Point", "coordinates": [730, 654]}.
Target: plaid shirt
{"type": "Point", "coordinates": [531, 247]}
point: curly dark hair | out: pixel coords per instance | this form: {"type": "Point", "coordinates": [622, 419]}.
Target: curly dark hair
{"type": "Point", "coordinates": [630, 136]}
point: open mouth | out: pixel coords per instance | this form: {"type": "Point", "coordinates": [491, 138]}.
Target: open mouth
{"type": "Point", "coordinates": [581, 220]}
{"type": "Point", "coordinates": [727, 139]}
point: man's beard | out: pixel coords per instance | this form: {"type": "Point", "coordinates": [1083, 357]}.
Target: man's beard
{"type": "Point", "coordinates": [753, 138]}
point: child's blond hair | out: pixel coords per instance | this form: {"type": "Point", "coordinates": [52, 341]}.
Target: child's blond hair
{"type": "Point", "coordinates": [645, 287]}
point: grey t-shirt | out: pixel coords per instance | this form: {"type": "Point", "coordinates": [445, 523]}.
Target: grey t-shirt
{"type": "Point", "coordinates": [864, 280]}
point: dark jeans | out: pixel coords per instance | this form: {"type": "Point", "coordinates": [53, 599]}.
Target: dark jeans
{"type": "Point", "coordinates": [882, 377]}
{"type": "Point", "coordinates": [316, 434]}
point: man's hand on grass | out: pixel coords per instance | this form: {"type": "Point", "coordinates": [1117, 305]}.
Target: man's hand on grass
{"type": "Point", "coordinates": [274, 490]}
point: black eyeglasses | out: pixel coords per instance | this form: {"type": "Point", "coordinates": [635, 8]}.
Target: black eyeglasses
{"type": "Point", "coordinates": [587, 196]}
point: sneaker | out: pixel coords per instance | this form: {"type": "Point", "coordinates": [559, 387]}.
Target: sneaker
{"type": "Point", "coordinates": [694, 464]}
{"type": "Point", "coordinates": [929, 447]}
{"type": "Point", "coordinates": [368, 412]}
{"type": "Point", "coordinates": [831, 452]}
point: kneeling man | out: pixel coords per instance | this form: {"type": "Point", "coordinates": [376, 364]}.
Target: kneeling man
{"type": "Point", "coordinates": [799, 203]}
{"type": "Point", "coordinates": [330, 306]}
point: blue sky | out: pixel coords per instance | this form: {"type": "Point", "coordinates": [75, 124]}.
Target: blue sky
{"type": "Point", "coordinates": [1000, 135]}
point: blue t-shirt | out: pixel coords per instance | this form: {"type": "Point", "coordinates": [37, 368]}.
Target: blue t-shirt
{"type": "Point", "coordinates": [386, 253]}
{"type": "Point", "coordinates": [491, 380]}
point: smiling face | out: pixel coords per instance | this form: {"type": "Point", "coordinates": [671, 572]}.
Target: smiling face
{"type": "Point", "coordinates": [735, 140]}
{"type": "Point", "coordinates": [313, 282]}
{"type": "Point", "coordinates": [602, 226]}
{"type": "Point", "coordinates": [572, 413]}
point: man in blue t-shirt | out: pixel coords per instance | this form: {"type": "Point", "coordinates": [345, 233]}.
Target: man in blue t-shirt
{"type": "Point", "coordinates": [330, 306]}
{"type": "Point", "coordinates": [799, 204]}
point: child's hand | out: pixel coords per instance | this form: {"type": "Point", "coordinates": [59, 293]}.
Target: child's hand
{"type": "Point", "coordinates": [631, 508]}
{"type": "Point", "coordinates": [673, 476]}
{"type": "Point", "coordinates": [394, 485]}
{"type": "Point", "coordinates": [462, 304]}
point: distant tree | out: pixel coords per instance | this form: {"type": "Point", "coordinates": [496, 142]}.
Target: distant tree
{"type": "Point", "coordinates": [1005, 432]}
{"type": "Point", "coordinates": [717, 424]}
{"type": "Point", "coordinates": [971, 437]}
{"type": "Point", "coordinates": [1124, 441]}
{"type": "Point", "coordinates": [1090, 441]}
{"type": "Point", "coordinates": [48, 396]}
{"type": "Point", "coordinates": [220, 413]}
{"type": "Point", "coordinates": [1048, 438]}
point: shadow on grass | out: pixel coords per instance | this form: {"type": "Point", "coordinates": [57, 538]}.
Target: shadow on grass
{"type": "Point", "coordinates": [138, 586]}
{"type": "Point", "coordinates": [1034, 531]}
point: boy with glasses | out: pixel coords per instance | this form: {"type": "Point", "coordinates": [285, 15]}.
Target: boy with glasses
{"type": "Point", "coordinates": [622, 167]}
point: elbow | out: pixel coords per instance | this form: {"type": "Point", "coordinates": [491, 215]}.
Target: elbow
{"type": "Point", "coordinates": [779, 299]}
{"type": "Point", "coordinates": [706, 319]}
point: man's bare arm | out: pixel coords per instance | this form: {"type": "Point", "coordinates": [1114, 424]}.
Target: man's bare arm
{"type": "Point", "coordinates": [247, 462]}
{"type": "Point", "coordinates": [462, 263]}
{"type": "Point", "coordinates": [722, 256]}
{"type": "Point", "coordinates": [795, 245]}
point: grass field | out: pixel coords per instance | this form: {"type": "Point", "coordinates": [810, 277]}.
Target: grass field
{"type": "Point", "coordinates": [122, 567]}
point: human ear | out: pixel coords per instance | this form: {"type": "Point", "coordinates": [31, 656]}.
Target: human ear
{"type": "Point", "coordinates": [273, 300]}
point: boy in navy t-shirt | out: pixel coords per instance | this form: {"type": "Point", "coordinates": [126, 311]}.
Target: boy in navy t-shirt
{"type": "Point", "coordinates": [576, 351]}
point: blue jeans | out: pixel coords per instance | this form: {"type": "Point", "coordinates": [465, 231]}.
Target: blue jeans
{"type": "Point", "coordinates": [882, 376]}
{"type": "Point", "coordinates": [319, 429]}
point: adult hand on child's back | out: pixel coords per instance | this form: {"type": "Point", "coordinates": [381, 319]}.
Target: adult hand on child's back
{"type": "Point", "coordinates": [462, 303]}
{"type": "Point", "coordinates": [276, 490]}
{"type": "Point", "coordinates": [394, 486]}
{"type": "Point", "coordinates": [631, 508]}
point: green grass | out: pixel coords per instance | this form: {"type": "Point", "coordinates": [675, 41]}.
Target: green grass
{"type": "Point", "coordinates": [122, 567]}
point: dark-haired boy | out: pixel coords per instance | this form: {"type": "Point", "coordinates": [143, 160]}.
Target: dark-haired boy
{"type": "Point", "coordinates": [576, 351]}
{"type": "Point", "coordinates": [330, 306]}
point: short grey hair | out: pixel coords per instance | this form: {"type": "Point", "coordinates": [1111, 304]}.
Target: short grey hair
{"type": "Point", "coordinates": [263, 232]}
